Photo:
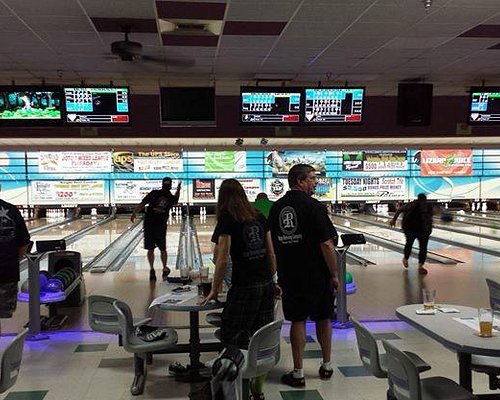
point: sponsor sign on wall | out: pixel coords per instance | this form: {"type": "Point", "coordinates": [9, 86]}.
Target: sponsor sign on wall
{"type": "Point", "coordinates": [325, 190]}
{"type": "Point", "coordinates": [147, 161]}
{"type": "Point", "coordinates": [203, 189]}
{"type": "Point", "coordinates": [74, 161]}
{"type": "Point", "coordinates": [133, 191]}
{"type": "Point", "coordinates": [443, 162]}
{"type": "Point", "coordinates": [68, 192]}
{"type": "Point", "coordinates": [251, 187]}
{"type": "Point", "coordinates": [371, 160]}
{"type": "Point", "coordinates": [373, 188]}
{"type": "Point", "coordinates": [282, 161]}
{"type": "Point", "coordinates": [225, 161]}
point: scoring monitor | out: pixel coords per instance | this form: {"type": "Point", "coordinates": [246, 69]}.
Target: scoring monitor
{"type": "Point", "coordinates": [484, 105]}
{"type": "Point", "coordinates": [333, 105]}
{"type": "Point", "coordinates": [270, 106]}
{"type": "Point", "coordinates": [97, 105]}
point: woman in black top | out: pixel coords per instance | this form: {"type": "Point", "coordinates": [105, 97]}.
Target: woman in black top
{"type": "Point", "coordinates": [243, 234]}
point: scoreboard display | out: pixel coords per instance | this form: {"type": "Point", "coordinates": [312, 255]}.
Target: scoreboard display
{"type": "Point", "coordinates": [107, 106]}
{"type": "Point", "coordinates": [270, 106]}
{"type": "Point", "coordinates": [325, 106]}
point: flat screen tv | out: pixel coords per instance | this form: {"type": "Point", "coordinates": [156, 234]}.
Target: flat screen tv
{"type": "Point", "coordinates": [333, 106]}
{"type": "Point", "coordinates": [270, 105]}
{"type": "Point", "coordinates": [97, 105]}
{"type": "Point", "coordinates": [187, 106]}
{"type": "Point", "coordinates": [30, 105]}
{"type": "Point", "coordinates": [484, 106]}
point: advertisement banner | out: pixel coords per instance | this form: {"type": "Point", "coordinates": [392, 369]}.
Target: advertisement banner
{"type": "Point", "coordinates": [68, 192]}
{"type": "Point", "coordinates": [74, 161]}
{"type": "Point", "coordinates": [325, 190]}
{"type": "Point", "coordinates": [251, 187]}
{"type": "Point", "coordinates": [203, 189]}
{"type": "Point", "coordinates": [443, 162]}
{"type": "Point", "coordinates": [133, 191]}
{"type": "Point", "coordinates": [375, 188]}
{"type": "Point", "coordinates": [282, 161]}
{"type": "Point", "coordinates": [446, 188]}
{"type": "Point", "coordinates": [123, 161]}
{"type": "Point", "coordinates": [158, 161]}
{"type": "Point", "coordinates": [276, 188]}
{"type": "Point", "coordinates": [373, 161]}
{"type": "Point", "coordinates": [225, 161]}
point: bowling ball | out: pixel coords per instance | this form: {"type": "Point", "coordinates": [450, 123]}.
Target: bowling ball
{"type": "Point", "coordinates": [44, 278]}
{"type": "Point", "coordinates": [445, 217]}
{"type": "Point", "coordinates": [54, 285]}
{"type": "Point", "coordinates": [348, 277]}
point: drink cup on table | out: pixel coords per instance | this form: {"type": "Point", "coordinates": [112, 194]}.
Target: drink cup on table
{"type": "Point", "coordinates": [204, 273]}
{"type": "Point", "coordinates": [185, 273]}
{"type": "Point", "coordinates": [206, 287]}
{"type": "Point", "coordinates": [428, 297]}
{"type": "Point", "coordinates": [485, 322]}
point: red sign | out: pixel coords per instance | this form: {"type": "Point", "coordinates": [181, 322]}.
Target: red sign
{"type": "Point", "coordinates": [446, 162]}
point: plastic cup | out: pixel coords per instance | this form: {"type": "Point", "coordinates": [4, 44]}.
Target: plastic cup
{"type": "Point", "coordinates": [428, 297]}
{"type": "Point", "coordinates": [206, 288]}
{"type": "Point", "coordinates": [485, 322]}
{"type": "Point", "coordinates": [204, 273]}
{"type": "Point", "coordinates": [184, 273]}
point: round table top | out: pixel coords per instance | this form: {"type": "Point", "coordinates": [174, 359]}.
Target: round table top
{"type": "Point", "coordinates": [186, 301]}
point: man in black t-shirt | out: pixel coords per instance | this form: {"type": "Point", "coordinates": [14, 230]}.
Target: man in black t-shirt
{"type": "Point", "coordinates": [14, 239]}
{"type": "Point", "coordinates": [155, 223]}
{"type": "Point", "coordinates": [417, 224]}
{"type": "Point", "coordinates": [302, 237]}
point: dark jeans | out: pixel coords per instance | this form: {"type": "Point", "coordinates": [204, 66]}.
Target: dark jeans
{"type": "Point", "coordinates": [423, 240]}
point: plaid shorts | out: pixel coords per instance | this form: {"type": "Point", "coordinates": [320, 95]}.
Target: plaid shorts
{"type": "Point", "coordinates": [8, 299]}
{"type": "Point", "coordinates": [247, 309]}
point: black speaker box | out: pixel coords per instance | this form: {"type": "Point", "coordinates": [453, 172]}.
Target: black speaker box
{"type": "Point", "coordinates": [414, 104]}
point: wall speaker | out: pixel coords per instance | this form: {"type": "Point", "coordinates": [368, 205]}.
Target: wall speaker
{"type": "Point", "coordinates": [414, 104]}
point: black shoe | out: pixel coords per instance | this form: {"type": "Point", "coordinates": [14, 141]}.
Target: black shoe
{"type": "Point", "coordinates": [325, 373]}
{"type": "Point", "coordinates": [290, 380]}
{"type": "Point", "coordinates": [152, 275]}
{"type": "Point", "coordinates": [165, 273]}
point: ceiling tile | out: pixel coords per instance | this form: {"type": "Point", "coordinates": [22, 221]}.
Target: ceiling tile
{"type": "Point", "coordinates": [143, 9]}
{"type": "Point", "coordinates": [190, 10]}
{"type": "Point", "coordinates": [253, 28]}
{"type": "Point", "coordinates": [189, 40]}
{"type": "Point", "coordinates": [117, 24]}
{"type": "Point", "coordinates": [60, 24]}
{"type": "Point", "coordinates": [45, 7]}
{"type": "Point", "coordinates": [483, 31]}
{"type": "Point", "coordinates": [261, 11]}
{"type": "Point", "coordinates": [11, 24]}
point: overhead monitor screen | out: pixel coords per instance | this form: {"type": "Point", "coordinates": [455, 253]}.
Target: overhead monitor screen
{"type": "Point", "coordinates": [30, 105]}
{"type": "Point", "coordinates": [333, 105]}
{"type": "Point", "coordinates": [187, 106]}
{"type": "Point", "coordinates": [484, 107]}
{"type": "Point", "coordinates": [97, 105]}
{"type": "Point", "coordinates": [270, 106]}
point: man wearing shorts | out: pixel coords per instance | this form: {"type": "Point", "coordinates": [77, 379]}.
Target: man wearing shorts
{"type": "Point", "coordinates": [307, 273]}
{"type": "Point", "coordinates": [14, 239]}
{"type": "Point", "coordinates": [155, 223]}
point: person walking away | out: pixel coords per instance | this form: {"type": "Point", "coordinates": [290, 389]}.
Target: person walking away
{"type": "Point", "coordinates": [417, 224]}
{"type": "Point", "coordinates": [155, 223]}
{"type": "Point", "coordinates": [243, 235]}
{"type": "Point", "coordinates": [307, 270]}
{"type": "Point", "coordinates": [14, 240]}
{"type": "Point", "coordinates": [263, 204]}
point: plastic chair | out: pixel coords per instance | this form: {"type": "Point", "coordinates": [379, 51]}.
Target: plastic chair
{"type": "Point", "coordinates": [103, 317]}
{"type": "Point", "coordinates": [405, 382]}
{"type": "Point", "coordinates": [263, 353]}
{"type": "Point", "coordinates": [371, 358]}
{"type": "Point", "coordinates": [139, 347]}
{"type": "Point", "coordinates": [11, 362]}
{"type": "Point", "coordinates": [486, 364]}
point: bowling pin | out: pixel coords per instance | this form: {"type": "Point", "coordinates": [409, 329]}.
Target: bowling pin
{"type": "Point", "coordinates": [446, 206]}
{"type": "Point", "coordinates": [484, 207]}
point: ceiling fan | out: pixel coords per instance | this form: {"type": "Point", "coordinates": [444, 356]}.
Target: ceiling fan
{"type": "Point", "coordinates": [128, 50]}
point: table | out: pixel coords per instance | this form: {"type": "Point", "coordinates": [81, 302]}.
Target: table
{"type": "Point", "coordinates": [194, 348]}
{"type": "Point", "coordinates": [454, 335]}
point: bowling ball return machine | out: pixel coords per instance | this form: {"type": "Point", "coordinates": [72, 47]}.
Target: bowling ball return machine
{"type": "Point", "coordinates": [66, 287]}
{"type": "Point", "coordinates": [341, 316]}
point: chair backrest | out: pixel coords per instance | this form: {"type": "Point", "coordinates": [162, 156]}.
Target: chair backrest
{"type": "Point", "coordinates": [264, 349]}
{"type": "Point", "coordinates": [11, 361]}
{"type": "Point", "coordinates": [102, 314]}
{"type": "Point", "coordinates": [404, 379]}
{"type": "Point", "coordinates": [368, 350]}
{"type": "Point", "coordinates": [494, 291]}
{"type": "Point", "coordinates": [126, 323]}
